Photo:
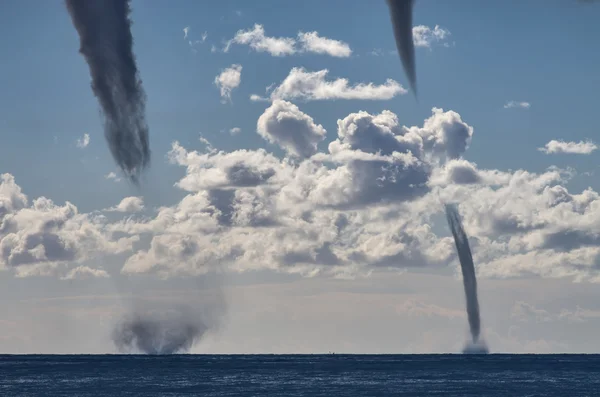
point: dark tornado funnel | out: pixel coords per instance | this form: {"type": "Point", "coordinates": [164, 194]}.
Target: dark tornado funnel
{"type": "Point", "coordinates": [401, 13]}
{"type": "Point", "coordinates": [106, 43]}
{"type": "Point", "coordinates": [469, 279]}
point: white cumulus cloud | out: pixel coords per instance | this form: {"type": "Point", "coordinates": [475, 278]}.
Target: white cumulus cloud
{"type": "Point", "coordinates": [312, 42]}
{"type": "Point", "coordinates": [581, 147]}
{"type": "Point", "coordinates": [306, 42]}
{"type": "Point", "coordinates": [285, 125]}
{"type": "Point", "coordinates": [424, 36]}
{"type": "Point", "coordinates": [258, 41]}
{"type": "Point", "coordinates": [311, 86]}
{"type": "Point", "coordinates": [84, 141]}
{"type": "Point", "coordinates": [129, 204]}
{"type": "Point", "coordinates": [370, 199]}
{"type": "Point", "coordinates": [229, 79]}
{"type": "Point", "coordinates": [84, 272]}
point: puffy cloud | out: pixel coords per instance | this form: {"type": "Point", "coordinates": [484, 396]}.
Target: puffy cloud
{"type": "Point", "coordinates": [285, 125]}
{"type": "Point", "coordinates": [129, 204]}
{"type": "Point", "coordinates": [258, 41]}
{"type": "Point", "coordinates": [312, 42]}
{"type": "Point", "coordinates": [424, 36]}
{"type": "Point", "coordinates": [36, 237]}
{"type": "Point", "coordinates": [371, 199]}
{"type": "Point", "coordinates": [84, 272]}
{"type": "Point", "coordinates": [112, 176]}
{"type": "Point", "coordinates": [515, 104]}
{"type": "Point", "coordinates": [312, 86]}
{"type": "Point", "coordinates": [309, 42]}
{"type": "Point", "coordinates": [235, 130]}
{"type": "Point", "coordinates": [229, 79]}
{"type": "Point", "coordinates": [84, 141]}
{"type": "Point", "coordinates": [580, 147]}
{"type": "Point", "coordinates": [251, 210]}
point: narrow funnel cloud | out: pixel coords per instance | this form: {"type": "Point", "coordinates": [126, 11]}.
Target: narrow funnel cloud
{"type": "Point", "coordinates": [469, 279]}
{"type": "Point", "coordinates": [401, 12]}
{"type": "Point", "coordinates": [106, 43]}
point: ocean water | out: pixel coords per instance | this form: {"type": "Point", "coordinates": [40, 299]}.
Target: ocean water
{"type": "Point", "coordinates": [300, 375]}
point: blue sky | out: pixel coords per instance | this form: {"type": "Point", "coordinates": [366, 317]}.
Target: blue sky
{"type": "Point", "coordinates": [539, 52]}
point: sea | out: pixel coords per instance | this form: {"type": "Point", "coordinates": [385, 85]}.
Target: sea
{"type": "Point", "coordinates": [300, 375]}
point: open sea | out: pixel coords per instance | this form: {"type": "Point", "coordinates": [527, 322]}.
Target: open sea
{"type": "Point", "coordinates": [300, 375]}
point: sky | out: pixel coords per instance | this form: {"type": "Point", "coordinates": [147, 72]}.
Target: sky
{"type": "Point", "coordinates": [295, 190]}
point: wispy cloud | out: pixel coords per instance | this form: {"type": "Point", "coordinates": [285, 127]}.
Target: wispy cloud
{"type": "Point", "coordinates": [235, 130]}
{"type": "Point", "coordinates": [84, 141]}
{"type": "Point", "coordinates": [193, 43]}
{"type": "Point", "coordinates": [581, 147]}
{"type": "Point", "coordinates": [229, 79]}
{"type": "Point", "coordinates": [515, 104]}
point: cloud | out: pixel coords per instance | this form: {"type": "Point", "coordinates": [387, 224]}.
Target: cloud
{"type": "Point", "coordinates": [83, 142]}
{"type": "Point", "coordinates": [36, 238]}
{"type": "Point", "coordinates": [285, 125]}
{"type": "Point", "coordinates": [235, 130]}
{"type": "Point", "coordinates": [186, 30]}
{"type": "Point", "coordinates": [526, 312]}
{"type": "Point", "coordinates": [307, 42]}
{"type": "Point", "coordinates": [515, 104]}
{"type": "Point", "coordinates": [581, 147]}
{"type": "Point", "coordinates": [256, 39]}
{"type": "Point", "coordinates": [424, 36]}
{"type": "Point", "coordinates": [370, 199]}
{"type": "Point", "coordinates": [229, 79]}
{"type": "Point", "coordinates": [312, 42]}
{"type": "Point", "coordinates": [313, 86]}
{"type": "Point", "coordinates": [84, 272]}
{"type": "Point", "coordinates": [129, 204]}
{"type": "Point", "coordinates": [112, 176]}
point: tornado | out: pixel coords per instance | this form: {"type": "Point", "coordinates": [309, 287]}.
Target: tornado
{"type": "Point", "coordinates": [171, 332]}
{"type": "Point", "coordinates": [106, 43]}
{"type": "Point", "coordinates": [469, 279]}
{"type": "Point", "coordinates": [401, 12]}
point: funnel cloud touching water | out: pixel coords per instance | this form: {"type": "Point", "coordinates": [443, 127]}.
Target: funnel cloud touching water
{"type": "Point", "coordinates": [401, 12]}
{"type": "Point", "coordinates": [469, 279]}
{"type": "Point", "coordinates": [106, 43]}
{"type": "Point", "coordinates": [170, 332]}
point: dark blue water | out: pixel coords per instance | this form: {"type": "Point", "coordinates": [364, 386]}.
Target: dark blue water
{"type": "Point", "coordinates": [306, 375]}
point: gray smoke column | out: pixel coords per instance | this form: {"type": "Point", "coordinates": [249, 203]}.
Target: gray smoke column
{"type": "Point", "coordinates": [401, 12]}
{"type": "Point", "coordinates": [106, 43]}
{"type": "Point", "coordinates": [167, 332]}
{"type": "Point", "coordinates": [469, 279]}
